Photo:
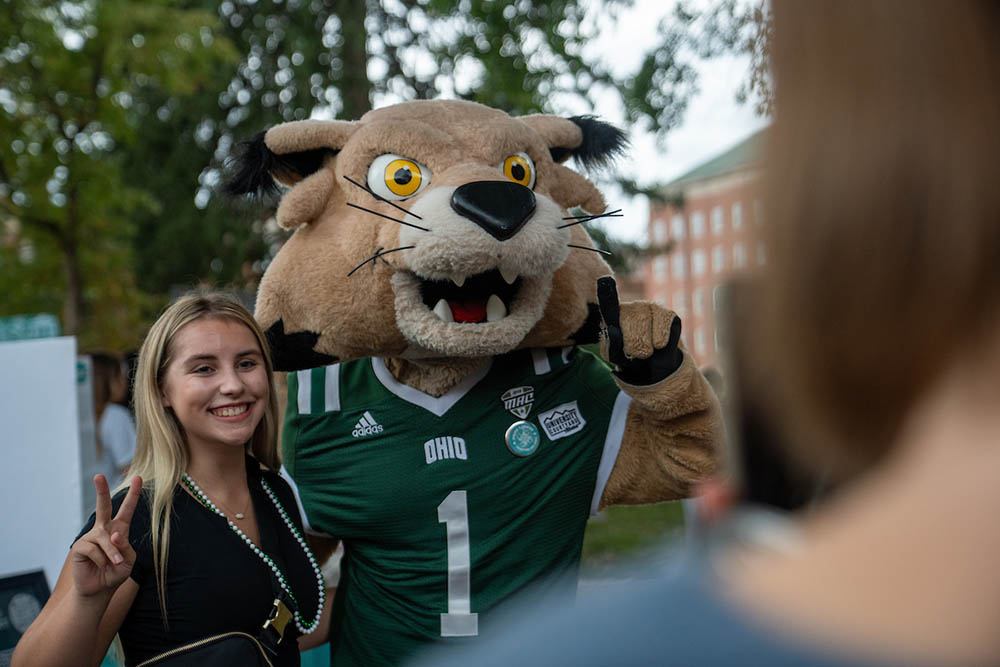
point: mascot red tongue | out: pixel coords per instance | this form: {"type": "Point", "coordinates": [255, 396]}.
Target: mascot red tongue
{"type": "Point", "coordinates": [458, 451]}
{"type": "Point", "coordinates": [473, 310]}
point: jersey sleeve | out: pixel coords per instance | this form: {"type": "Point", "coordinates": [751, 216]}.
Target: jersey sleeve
{"type": "Point", "coordinates": [291, 492]}
{"type": "Point", "coordinates": [596, 375]}
{"type": "Point", "coordinates": [313, 396]}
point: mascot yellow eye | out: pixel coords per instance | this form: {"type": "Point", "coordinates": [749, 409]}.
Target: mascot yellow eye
{"type": "Point", "coordinates": [520, 169]}
{"type": "Point", "coordinates": [394, 177]}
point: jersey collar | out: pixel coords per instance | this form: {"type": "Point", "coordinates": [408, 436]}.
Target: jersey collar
{"type": "Point", "coordinates": [437, 405]}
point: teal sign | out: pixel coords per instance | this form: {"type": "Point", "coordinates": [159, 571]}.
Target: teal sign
{"type": "Point", "coordinates": [26, 327]}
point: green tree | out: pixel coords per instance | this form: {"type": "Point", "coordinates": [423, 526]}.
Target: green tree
{"type": "Point", "coordinates": [69, 72]}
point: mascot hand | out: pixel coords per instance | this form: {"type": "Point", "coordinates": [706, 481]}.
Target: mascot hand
{"type": "Point", "coordinates": [641, 337]}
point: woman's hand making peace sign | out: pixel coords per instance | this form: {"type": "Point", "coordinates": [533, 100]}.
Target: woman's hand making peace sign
{"type": "Point", "coordinates": [103, 558]}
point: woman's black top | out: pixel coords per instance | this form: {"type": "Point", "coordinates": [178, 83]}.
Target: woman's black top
{"type": "Point", "coordinates": [214, 582]}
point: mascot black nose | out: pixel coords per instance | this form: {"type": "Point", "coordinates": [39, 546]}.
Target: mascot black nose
{"type": "Point", "coordinates": [499, 207]}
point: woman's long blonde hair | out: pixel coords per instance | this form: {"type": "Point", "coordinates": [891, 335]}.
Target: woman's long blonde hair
{"type": "Point", "coordinates": [161, 454]}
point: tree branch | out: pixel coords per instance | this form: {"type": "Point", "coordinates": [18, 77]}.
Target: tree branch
{"type": "Point", "coordinates": [49, 226]}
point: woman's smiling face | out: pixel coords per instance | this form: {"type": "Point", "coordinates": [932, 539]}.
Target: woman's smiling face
{"type": "Point", "coordinates": [216, 382]}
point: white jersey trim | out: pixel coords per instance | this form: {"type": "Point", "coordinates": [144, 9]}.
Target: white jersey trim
{"type": "Point", "coordinates": [332, 388]}
{"type": "Point", "coordinates": [612, 445]}
{"type": "Point", "coordinates": [540, 358]}
{"type": "Point", "coordinates": [298, 503]}
{"type": "Point", "coordinates": [435, 405]}
{"type": "Point", "coordinates": [304, 395]}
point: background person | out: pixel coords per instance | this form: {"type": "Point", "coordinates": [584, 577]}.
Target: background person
{"type": "Point", "coordinates": [115, 427]}
{"type": "Point", "coordinates": [206, 530]}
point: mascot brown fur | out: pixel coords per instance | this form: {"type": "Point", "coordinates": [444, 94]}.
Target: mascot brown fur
{"type": "Point", "coordinates": [434, 237]}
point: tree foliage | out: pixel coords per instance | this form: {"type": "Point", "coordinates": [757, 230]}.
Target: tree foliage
{"type": "Point", "coordinates": [70, 74]}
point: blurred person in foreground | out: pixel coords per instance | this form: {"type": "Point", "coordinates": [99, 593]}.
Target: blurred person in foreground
{"type": "Point", "coordinates": [115, 428]}
{"type": "Point", "coordinates": [877, 333]}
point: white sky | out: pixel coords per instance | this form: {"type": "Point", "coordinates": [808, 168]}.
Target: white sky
{"type": "Point", "coordinates": [713, 122]}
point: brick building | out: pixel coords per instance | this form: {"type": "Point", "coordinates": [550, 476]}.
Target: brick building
{"type": "Point", "coordinates": [708, 230]}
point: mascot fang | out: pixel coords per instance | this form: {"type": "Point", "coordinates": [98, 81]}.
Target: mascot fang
{"type": "Point", "coordinates": [441, 420]}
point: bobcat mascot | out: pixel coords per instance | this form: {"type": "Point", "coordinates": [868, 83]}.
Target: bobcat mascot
{"type": "Point", "coordinates": [441, 420]}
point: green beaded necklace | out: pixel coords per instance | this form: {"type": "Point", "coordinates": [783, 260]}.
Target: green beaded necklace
{"type": "Point", "coordinates": [304, 628]}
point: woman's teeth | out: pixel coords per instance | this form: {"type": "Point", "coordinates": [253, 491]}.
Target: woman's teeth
{"type": "Point", "coordinates": [231, 412]}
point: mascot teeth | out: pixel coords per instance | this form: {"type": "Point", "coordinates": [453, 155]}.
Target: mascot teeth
{"type": "Point", "coordinates": [508, 275]}
{"type": "Point", "coordinates": [482, 298]}
{"type": "Point", "coordinates": [495, 310]}
{"type": "Point", "coordinates": [443, 311]}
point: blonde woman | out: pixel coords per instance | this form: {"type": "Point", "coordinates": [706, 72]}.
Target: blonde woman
{"type": "Point", "coordinates": [206, 536]}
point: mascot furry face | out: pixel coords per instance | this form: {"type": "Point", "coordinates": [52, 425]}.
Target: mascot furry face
{"type": "Point", "coordinates": [429, 229]}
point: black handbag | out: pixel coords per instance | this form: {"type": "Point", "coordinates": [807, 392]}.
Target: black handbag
{"type": "Point", "coordinates": [232, 648]}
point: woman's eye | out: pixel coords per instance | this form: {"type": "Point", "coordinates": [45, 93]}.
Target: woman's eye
{"type": "Point", "coordinates": [520, 169]}
{"type": "Point", "coordinates": [394, 177]}
{"type": "Point", "coordinates": [247, 364]}
{"type": "Point", "coordinates": [203, 370]}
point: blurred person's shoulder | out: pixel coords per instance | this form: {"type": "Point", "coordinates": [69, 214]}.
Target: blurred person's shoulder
{"type": "Point", "coordinates": [677, 617]}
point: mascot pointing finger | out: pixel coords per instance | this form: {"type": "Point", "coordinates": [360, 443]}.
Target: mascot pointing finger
{"type": "Point", "coordinates": [441, 420]}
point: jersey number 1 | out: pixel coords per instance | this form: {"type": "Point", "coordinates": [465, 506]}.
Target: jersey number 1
{"type": "Point", "coordinates": [453, 512]}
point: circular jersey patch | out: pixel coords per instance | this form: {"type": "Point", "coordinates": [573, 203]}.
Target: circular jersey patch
{"type": "Point", "coordinates": [522, 438]}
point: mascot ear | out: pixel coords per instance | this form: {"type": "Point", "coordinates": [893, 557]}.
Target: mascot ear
{"type": "Point", "coordinates": [592, 142]}
{"type": "Point", "coordinates": [286, 153]}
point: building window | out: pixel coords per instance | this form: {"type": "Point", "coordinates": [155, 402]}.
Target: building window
{"type": "Point", "coordinates": [697, 225]}
{"type": "Point", "coordinates": [697, 262]}
{"type": "Point", "coordinates": [677, 227]}
{"type": "Point", "coordinates": [698, 301]}
{"type": "Point", "coordinates": [718, 224]}
{"type": "Point", "coordinates": [739, 256]}
{"type": "Point", "coordinates": [699, 340]}
{"type": "Point", "coordinates": [761, 253]}
{"type": "Point", "coordinates": [679, 268]}
{"type": "Point", "coordinates": [718, 258]}
{"type": "Point", "coordinates": [659, 232]}
{"type": "Point", "coordinates": [758, 211]}
{"type": "Point", "coordinates": [737, 215]}
{"type": "Point", "coordinates": [660, 268]}
{"type": "Point", "coordinates": [679, 302]}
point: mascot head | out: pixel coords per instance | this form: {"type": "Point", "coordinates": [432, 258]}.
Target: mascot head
{"type": "Point", "coordinates": [428, 229]}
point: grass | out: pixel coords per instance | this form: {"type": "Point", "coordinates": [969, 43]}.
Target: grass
{"type": "Point", "coordinates": [620, 534]}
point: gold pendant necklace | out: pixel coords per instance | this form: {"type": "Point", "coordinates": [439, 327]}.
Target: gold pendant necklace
{"type": "Point", "coordinates": [239, 516]}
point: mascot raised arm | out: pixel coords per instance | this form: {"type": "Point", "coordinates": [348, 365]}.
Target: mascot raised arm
{"type": "Point", "coordinates": [442, 421]}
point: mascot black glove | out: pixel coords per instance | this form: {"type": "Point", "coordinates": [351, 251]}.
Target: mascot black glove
{"type": "Point", "coordinates": [637, 370]}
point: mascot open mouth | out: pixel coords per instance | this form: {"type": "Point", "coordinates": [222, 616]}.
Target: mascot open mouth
{"type": "Point", "coordinates": [484, 297]}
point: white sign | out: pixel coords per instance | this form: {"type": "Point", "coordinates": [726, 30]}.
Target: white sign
{"type": "Point", "coordinates": [40, 442]}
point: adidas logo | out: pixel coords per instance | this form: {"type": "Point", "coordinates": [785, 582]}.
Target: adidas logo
{"type": "Point", "coordinates": [366, 426]}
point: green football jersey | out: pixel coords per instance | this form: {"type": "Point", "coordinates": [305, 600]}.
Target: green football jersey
{"type": "Point", "coordinates": [447, 506]}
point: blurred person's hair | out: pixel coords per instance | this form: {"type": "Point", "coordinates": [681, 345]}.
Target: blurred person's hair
{"type": "Point", "coordinates": [107, 368]}
{"type": "Point", "coordinates": [755, 458]}
{"type": "Point", "coordinates": [881, 213]}
{"type": "Point", "coordinates": [161, 455]}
